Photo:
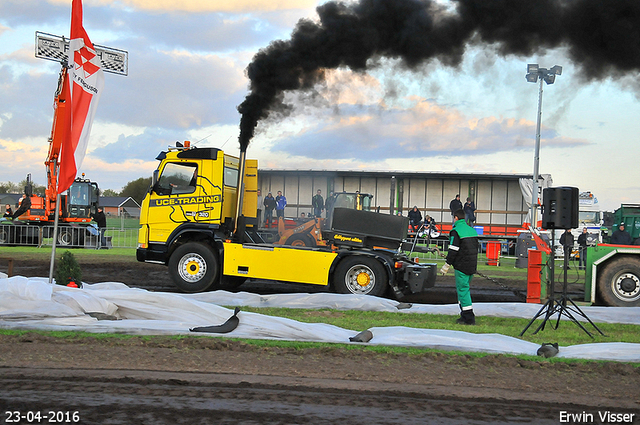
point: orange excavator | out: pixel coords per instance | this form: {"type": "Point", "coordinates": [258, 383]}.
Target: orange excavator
{"type": "Point", "coordinates": [76, 205]}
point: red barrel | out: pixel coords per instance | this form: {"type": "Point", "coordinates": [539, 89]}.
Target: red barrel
{"type": "Point", "coordinates": [493, 253]}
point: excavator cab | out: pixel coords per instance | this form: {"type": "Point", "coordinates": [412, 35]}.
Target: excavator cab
{"type": "Point", "coordinates": [82, 199]}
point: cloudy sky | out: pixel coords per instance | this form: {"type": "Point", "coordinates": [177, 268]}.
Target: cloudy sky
{"type": "Point", "coordinates": [188, 73]}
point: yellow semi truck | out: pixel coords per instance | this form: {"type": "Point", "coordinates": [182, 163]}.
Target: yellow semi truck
{"type": "Point", "coordinates": [190, 223]}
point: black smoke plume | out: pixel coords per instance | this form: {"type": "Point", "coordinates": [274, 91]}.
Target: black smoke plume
{"type": "Point", "coordinates": [602, 38]}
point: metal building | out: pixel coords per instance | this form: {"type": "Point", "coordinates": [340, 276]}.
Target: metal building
{"type": "Point", "coordinates": [501, 207]}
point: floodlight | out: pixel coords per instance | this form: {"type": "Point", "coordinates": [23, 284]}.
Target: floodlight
{"type": "Point", "coordinates": [532, 78]}
{"type": "Point", "coordinates": [548, 76]}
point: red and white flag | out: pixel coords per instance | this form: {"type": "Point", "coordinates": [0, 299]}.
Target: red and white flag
{"type": "Point", "coordinates": [86, 83]}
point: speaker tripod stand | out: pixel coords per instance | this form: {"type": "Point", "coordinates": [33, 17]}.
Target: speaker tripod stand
{"type": "Point", "coordinates": [562, 305]}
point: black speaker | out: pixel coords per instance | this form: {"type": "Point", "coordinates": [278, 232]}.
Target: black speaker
{"type": "Point", "coordinates": [560, 208]}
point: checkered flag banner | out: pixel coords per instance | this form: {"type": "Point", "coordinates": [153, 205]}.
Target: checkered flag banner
{"type": "Point", "coordinates": [56, 48]}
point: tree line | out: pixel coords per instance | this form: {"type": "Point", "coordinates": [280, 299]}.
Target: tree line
{"type": "Point", "coordinates": [10, 187]}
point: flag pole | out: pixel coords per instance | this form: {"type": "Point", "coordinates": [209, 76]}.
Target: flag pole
{"type": "Point", "coordinates": [55, 236]}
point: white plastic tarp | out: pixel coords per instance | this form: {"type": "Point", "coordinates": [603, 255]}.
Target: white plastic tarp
{"type": "Point", "coordinates": [32, 303]}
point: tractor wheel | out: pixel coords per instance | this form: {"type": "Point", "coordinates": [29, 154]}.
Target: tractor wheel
{"type": "Point", "coordinates": [619, 283]}
{"type": "Point", "coordinates": [301, 240]}
{"type": "Point", "coordinates": [193, 267]}
{"type": "Point", "coordinates": [360, 275]}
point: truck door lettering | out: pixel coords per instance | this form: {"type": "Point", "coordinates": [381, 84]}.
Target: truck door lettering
{"type": "Point", "coordinates": [191, 200]}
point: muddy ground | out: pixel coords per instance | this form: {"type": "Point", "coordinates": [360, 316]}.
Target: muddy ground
{"type": "Point", "coordinates": [503, 287]}
{"type": "Point", "coordinates": [215, 380]}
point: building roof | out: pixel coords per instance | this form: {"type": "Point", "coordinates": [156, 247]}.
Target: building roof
{"type": "Point", "coordinates": [397, 173]}
{"type": "Point", "coordinates": [10, 198]}
{"type": "Point", "coordinates": [118, 201]}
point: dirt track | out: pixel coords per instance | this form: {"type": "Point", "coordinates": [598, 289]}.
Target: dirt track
{"type": "Point", "coordinates": [130, 397]}
{"type": "Point", "coordinates": [213, 380]}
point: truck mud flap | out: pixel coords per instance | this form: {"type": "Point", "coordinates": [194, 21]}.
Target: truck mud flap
{"type": "Point", "coordinates": [226, 327]}
{"type": "Point", "coordinates": [420, 277]}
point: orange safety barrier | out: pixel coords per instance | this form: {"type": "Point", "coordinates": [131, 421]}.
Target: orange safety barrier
{"type": "Point", "coordinates": [534, 271]}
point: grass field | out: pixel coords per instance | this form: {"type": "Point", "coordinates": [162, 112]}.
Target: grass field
{"type": "Point", "coordinates": [26, 253]}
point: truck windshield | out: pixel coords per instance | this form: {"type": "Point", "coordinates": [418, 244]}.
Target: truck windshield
{"type": "Point", "coordinates": [589, 216]}
{"type": "Point", "coordinates": [79, 194]}
{"type": "Point", "coordinates": [178, 178]}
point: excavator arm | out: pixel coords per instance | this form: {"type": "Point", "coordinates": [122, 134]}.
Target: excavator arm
{"type": "Point", "coordinates": [59, 131]}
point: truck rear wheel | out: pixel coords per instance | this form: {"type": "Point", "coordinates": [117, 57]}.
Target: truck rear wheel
{"type": "Point", "coordinates": [619, 283]}
{"type": "Point", "coordinates": [361, 276]}
{"type": "Point", "coordinates": [193, 267]}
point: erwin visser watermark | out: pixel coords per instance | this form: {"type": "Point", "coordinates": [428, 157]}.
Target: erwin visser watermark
{"type": "Point", "coordinates": [600, 417]}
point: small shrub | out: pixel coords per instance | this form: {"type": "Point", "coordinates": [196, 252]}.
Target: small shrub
{"type": "Point", "coordinates": [68, 270]}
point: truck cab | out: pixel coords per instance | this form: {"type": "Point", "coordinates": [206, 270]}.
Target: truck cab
{"type": "Point", "coordinates": [191, 190]}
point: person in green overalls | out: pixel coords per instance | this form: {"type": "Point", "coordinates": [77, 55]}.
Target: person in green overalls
{"type": "Point", "coordinates": [463, 256]}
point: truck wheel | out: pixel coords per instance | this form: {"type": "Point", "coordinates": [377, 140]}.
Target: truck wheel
{"type": "Point", "coordinates": [4, 235]}
{"type": "Point", "coordinates": [301, 240]}
{"type": "Point", "coordinates": [619, 283]}
{"type": "Point", "coordinates": [65, 237]}
{"type": "Point", "coordinates": [193, 267]}
{"type": "Point", "coordinates": [361, 276]}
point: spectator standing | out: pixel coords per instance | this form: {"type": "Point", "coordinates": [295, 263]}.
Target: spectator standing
{"type": "Point", "coordinates": [470, 212]}
{"type": "Point", "coordinates": [259, 211]}
{"type": "Point", "coordinates": [454, 206]}
{"type": "Point", "coordinates": [281, 202]}
{"type": "Point", "coordinates": [329, 204]}
{"type": "Point", "coordinates": [8, 212]}
{"type": "Point", "coordinates": [101, 221]}
{"type": "Point", "coordinates": [463, 256]}
{"type": "Point", "coordinates": [317, 202]}
{"type": "Point", "coordinates": [621, 237]}
{"type": "Point", "coordinates": [566, 240]}
{"type": "Point", "coordinates": [582, 244]}
{"type": "Point", "coordinates": [269, 205]}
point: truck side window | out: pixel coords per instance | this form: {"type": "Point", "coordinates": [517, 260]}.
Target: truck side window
{"type": "Point", "coordinates": [177, 178]}
{"type": "Point", "coordinates": [230, 177]}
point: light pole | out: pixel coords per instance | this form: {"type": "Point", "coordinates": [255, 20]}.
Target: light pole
{"type": "Point", "coordinates": [535, 73]}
